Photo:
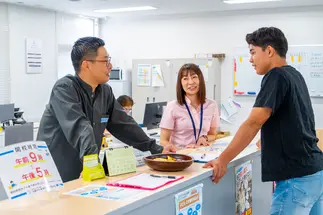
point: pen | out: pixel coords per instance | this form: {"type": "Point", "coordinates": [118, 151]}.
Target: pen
{"type": "Point", "coordinates": [124, 185]}
{"type": "Point", "coordinates": [163, 176]}
{"type": "Point", "coordinates": [203, 156]}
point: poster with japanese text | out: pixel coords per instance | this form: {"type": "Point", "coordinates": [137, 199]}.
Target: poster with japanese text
{"type": "Point", "coordinates": [189, 202]}
{"type": "Point", "coordinates": [34, 56]}
{"type": "Point", "coordinates": [144, 75]}
{"type": "Point", "coordinates": [244, 188]}
{"type": "Point", "coordinates": [27, 168]}
{"type": "Point", "coordinates": [157, 79]}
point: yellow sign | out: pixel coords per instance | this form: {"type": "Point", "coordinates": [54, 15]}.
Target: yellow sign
{"type": "Point", "coordinates": [92, 169]}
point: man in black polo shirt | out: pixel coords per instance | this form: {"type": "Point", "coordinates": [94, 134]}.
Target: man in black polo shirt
{"type": "Point", "coordinates": [283, 112]}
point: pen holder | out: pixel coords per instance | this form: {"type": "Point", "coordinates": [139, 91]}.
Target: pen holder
{"type": "Point", "coordinates": [92, 169]}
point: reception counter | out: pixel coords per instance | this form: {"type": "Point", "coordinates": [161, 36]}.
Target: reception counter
{"type": "Point", "coordinates": [217, 198]}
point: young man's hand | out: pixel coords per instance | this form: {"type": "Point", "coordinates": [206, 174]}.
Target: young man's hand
{"type": "Point", "coordinates": [219, 169]}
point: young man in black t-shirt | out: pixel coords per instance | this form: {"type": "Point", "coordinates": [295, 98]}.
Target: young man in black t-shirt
{"type": "Point", "coordinates": [284, 113]}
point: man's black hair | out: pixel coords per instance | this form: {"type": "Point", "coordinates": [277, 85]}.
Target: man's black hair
{"type": "Point", "coordinates": [85, 48]}
{"type": "Point", "coordinates": [269, 36]}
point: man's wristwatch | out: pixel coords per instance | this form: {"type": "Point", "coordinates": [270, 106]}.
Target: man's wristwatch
{"type": "Point", "coordinates": [205, 136]}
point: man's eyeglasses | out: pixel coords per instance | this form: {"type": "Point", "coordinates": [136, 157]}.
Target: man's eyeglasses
{"type": "Point", "coordinates": [108, 61]}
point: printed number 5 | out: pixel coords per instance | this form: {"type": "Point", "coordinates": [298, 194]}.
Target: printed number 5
{"type": "Point", "coordinates": [39, 172]}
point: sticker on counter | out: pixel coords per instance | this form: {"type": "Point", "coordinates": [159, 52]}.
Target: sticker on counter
{"type": "Point", "coordinates": [106, 192]}
{"type": "Point", "coordinates": [189, 202]}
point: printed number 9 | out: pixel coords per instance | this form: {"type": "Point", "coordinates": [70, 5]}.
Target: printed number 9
{"type": "Point", "coordinates": [33, 157]}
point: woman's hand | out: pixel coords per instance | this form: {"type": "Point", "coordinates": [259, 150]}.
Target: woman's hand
{"type": "Point", "coordinates": [191, 146]}
{"type": "Point", "coordinates": [202, 141]}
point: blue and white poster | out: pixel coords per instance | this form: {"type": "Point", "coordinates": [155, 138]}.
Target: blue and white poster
{"type": "Point", "coordinates": [189, 202]}
{"type": "Point", "coordinates": [28, 168]}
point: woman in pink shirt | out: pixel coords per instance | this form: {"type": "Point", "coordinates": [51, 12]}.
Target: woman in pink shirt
{"type": "Point", "coordinates": [192, 119]}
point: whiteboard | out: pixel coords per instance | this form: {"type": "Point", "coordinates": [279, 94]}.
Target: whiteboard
{"type": "Point", "coordinates": [246, 80]}
{"type": "Point", "coordinates": [307, 59]}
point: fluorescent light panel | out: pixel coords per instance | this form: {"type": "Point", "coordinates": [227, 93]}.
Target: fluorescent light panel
{"type": "Point", "coordinates": [126, 9]}
{"type": "Point", "coordinates": [246, 1]}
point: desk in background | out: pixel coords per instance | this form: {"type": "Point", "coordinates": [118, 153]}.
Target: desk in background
{"type": "Point", "coordinates": [3, 133]}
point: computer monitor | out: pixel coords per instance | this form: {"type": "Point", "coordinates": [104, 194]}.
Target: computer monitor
{"type": "Point", "coordinates": [6, 112]}
{"type": "Point", "coordinates": [19, 133]}
{"type": "Point", "coordinates": [153, 114]}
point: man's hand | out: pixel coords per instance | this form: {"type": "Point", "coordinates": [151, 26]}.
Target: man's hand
{"type": "Point", "coordinates": [170, 148]}
{"type": "Point", "coordinates": [219, 169]}
{"type": "Point", "coordinates": [202, 142]}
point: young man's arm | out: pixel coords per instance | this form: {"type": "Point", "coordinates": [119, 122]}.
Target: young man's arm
{"type": "Point", "coordinates": [247, 131]}
{"type": "Point", "coordinates": [271, 96]}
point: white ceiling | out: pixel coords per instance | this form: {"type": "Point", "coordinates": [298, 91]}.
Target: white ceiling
{"type": "Point", "coordinates": [164, 7]}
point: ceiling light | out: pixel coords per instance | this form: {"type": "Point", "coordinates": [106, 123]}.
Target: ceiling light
{"type": "Point", "coordinates": [126, 9]}
{"type": "Point", "coordinates": [247, 1]}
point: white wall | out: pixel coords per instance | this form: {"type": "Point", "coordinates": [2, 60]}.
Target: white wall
{"type": "Point", "coordinates": [68, 29]}
{"type": "Point", "coordinates": [182, 37]}
{"type": "Point", "coordinates": [31, 91]}
{"type": "Point", "coordinates": [4, 57]}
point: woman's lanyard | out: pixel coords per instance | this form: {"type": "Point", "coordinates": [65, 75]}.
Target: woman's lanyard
{"type": "Point", "coordinates": [201, 121]}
